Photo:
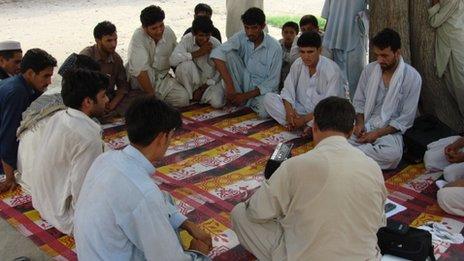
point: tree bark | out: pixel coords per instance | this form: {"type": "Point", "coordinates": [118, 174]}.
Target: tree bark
{"type": "Point", "coordinates": [392, 14]}
{"type": "Point", "coordinates": [435, 97]}
{"type": "Point", "coordinates": [410, 19]}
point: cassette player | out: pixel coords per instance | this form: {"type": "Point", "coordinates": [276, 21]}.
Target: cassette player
{"type": "Point", "coordinates": [281, 153]}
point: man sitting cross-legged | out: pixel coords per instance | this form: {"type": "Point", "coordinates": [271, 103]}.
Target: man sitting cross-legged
{"type": "Point", "coordinates": [70, 143]}
{"type": "Point", "coordinates": [16, 94]}
{"type": "Point", "coordinates": [194, 68]}
{"type": "Point", "coordinates": [36, 118]}
{"type": "Point", "coordinates": [326, 204]}
{"type": "Point", "coordinates": [122, 214]}
{"type": "Point", "coordinates": [104, 52]}
{"type": "Point", "coordinates": [148, 55]}
{"type": "Point", "coordinates": [312, 78]}
{"type": "Point", "coordinates": [447, 155]}
{"type": "Point", "coordinates": [385, 101]}
{"type": "Point", "coordinates": [249, 63]}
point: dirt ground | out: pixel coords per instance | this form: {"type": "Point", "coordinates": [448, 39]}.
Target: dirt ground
{"type": "Point", "coordinates": [65, 26]}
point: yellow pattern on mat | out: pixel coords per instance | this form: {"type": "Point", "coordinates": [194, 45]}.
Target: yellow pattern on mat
{"type": "Point", "coordinates": [268, 133]}
{"type": "Point", "coordinates": [409, 173]}
{"type": "Point", "coordinates": [232, 121]}
{"type": "Point", "coordinates": [202, 157]}
{"type": "Point", "coordinates": [424, 218]}
{"type": "Point", "coordinates": [233, 177]}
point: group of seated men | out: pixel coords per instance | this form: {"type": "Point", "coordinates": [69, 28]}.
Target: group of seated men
{"type": "Point", "coordinates": [84, 192]}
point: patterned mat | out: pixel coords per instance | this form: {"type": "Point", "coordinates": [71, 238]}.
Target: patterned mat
{"type": "Point", "coordinates": [215, 161]}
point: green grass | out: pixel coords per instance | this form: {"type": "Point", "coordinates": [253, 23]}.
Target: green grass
{"type": "Point", "coordinates": [278, 21]}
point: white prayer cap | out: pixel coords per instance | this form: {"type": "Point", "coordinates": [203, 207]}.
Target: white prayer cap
{"type": "Point", "coordinates": [10, 45]}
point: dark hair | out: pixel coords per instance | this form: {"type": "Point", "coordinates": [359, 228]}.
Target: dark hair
{"type": "Point", "coordinates": [387, 38]}
{"type": "Point", "coordinates": [309, 39]}
{"type": "Point", "coordinates": [147, 117]}
{"type": "Point", "coordinates": [202, 24]}
{"type": "Point", "coordinates": [151, 15]}
{"type": "Point", "coordinates": [75, 61]}
{"type": "Point", "coordinates": [254, 16]}
{"type": "Point", "coordinates": [334, 114]}
{"type": "Point", "coordinates": [203, 8]}
{"type": "Point", "coordinates": [103, 28]}
{"type": "Point", "coordinates": [309, 19]}
{"type": "Point", "coordinates": [78, 84]}
{"type": "Point", "coordinates": [37, 60]}
{"type": "Point", "coordinates": [292, 25]}
{"type": "Point", "coordinates": [8, 54]}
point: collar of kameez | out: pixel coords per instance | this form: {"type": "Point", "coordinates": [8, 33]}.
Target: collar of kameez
{"type": "Point", "coordinates": [80, 115]}
{"type": "Point", "coordinates": [264, 43]}
{"type": "Point", "coordinates": [331, 140]}
{"type": "Point", "coordinates": [134, 153]}
{"type": "Point", "coordinates": [98, 57]}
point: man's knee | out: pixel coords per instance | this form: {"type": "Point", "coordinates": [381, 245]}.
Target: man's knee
{"type": "Point", "coordinates": [454, 172]}
{"type": "Point", "coordinates": [179, 98]}
{"type": "Point", "coordinates": [237, 214]}
{"type": "Point", "coordinates": [217, 101]}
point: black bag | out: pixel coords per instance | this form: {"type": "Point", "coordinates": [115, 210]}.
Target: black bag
{"type": "Point", "coordinates": [400, 240]}
{"type": "Point", "coordinates": [426, 129]}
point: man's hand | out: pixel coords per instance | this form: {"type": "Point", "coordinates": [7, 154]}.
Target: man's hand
{"type": "Point", "coordinates": [199, 246]}
{"type": "Point", "coordinates": [199, 234]}
{"type": "Point", "coordinates": [369, 137]}
{"type": "Point", "coordinates": [290, 117]}
{"type": "Point", "coordinates": [299, 121]}
{"type": "Point", "coordinates": [455, 157]}
{"type": "Point", "coordinates": [359, 130]}
{"type": "Point", "coordinates": [237, 99]}
{"type": "Point", "coordinates": [8, 185]}
{"type": "Point", "coordinates": [206, 48]}
{"type": "Point", "coordinates": [454, 147]}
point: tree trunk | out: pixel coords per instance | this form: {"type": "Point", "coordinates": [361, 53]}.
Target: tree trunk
{"type": "Point", "coordinates": [435, 97]}
{"type": "Point", "coordinates": [393, 14]}
{"type": "Point", "coordinates": [410, 19]}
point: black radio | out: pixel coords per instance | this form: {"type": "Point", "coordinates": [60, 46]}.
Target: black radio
{"type": "Point", "coordinates": [281, 153]}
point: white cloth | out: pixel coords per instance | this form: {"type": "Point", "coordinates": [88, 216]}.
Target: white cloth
{"type": "Point", "coordinates": [328, 203]}
{"type": "Point", "coordinates": [193, 73]}
{"type": "Point", "coordinates": [70, 143]}
{"type": "Point", "coordinates": [435, 159]}
{"type": "Point", "coordinates": [129, 215]}
{"type": "Point", "coordinates": [235, 9]}
{"type": "Point", "coordinates": [146, 55]}
{"type": "Point", "coordinates": [390, 103]}
{"type": "Point", "coordinates": [395, 106]}
{"type": "Point", "coordinates": [451, 200]}
{"type": "Point", "coordinates": [10, 45]}
{"type": "Point", "coordinates": [304, 91]}
{"type": "Point", "coordinates": [29, 145]}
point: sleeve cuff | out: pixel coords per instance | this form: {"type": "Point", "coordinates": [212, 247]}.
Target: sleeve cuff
{"type": "Point", "coordinates": [398, 126]}
{"type": "Point", "coordinates": [176, 219]}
